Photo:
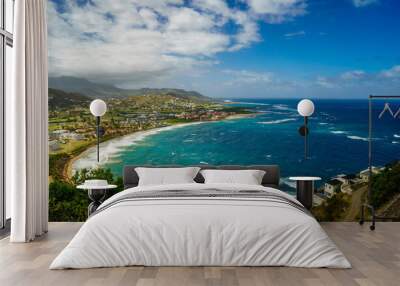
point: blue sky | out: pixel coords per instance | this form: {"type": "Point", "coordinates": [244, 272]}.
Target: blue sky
{"type": "Point", "coordinates": [242, 48]}
{"type": "Point", "coordinates": [333, 36]}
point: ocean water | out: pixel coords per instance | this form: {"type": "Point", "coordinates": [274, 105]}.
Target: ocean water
{"type": "Point", "coordinates": [337, 141]}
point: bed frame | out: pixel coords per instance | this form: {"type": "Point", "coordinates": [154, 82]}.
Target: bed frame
{"type": "Point", "coordinates": [271, 177]}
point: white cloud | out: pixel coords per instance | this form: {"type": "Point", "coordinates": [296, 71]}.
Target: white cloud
{"type": "Point", "coordinates": [186, 19]}
{"type": "Point", "coordinates": [363, 3]}
{"type": "Point", "coordinates": [324, 82]}
{"type": "Point", "coordinates": [248, 77]}
{"type": "Point", "coordinates": [393, 72]}
{"type": "Point", "coordinates": [346, 84]}
{"type": "Point", "coordinates": [380, 80]}
{"type": "Point", "coordinates": [295, 34]}
{"type": "Point", "coordinates": [123, 41]}
{"type": "Point", "coordinates": [276, 11]}
{"type": "Point", "coordinates": [128, 41]}
{"type": "Point", "coordinates": [353, 75]}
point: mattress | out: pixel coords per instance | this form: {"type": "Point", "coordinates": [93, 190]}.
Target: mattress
{"type": "Point", "coordinates": [201, 225]}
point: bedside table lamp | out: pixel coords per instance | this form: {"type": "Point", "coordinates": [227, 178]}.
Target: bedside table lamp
{"type": "Point", "coordinates": [98, 108]}
{"type": "Point", "coordinates": [305, 109]}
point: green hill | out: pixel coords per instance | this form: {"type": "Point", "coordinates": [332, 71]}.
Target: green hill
{"type": "Point", "coordinates": [107, 91]}
{"type": "Point", "coordinates": [61, 99]}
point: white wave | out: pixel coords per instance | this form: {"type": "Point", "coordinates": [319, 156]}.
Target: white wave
{"type": "Point", "coordinates": [396, 136]}
{"type": "Point", "coordinates": [203, 162]}
{"type": "Point", "coordinates": [288, 182]}
{"type": "Point", "coordinates": [253, 103]}
{"type": "Point", "coordinates": [323, 123]}
{"type": "Point", "coordinates": [338, 132]}
{"type": "Point", "coordinates": [110, 150]}
{"type": "Point", "coordinates": [283, 107]}
{"type": "Point", "coordinates": [357, 138]}
{"type": "Point", "coordinates": [395, 142]}
{"type": "Point", "coordinates": [280, 106]}
{"type": "Point", "coordinates": [277, 121]}
{"type": "Point", "coordinates": [275, 112]}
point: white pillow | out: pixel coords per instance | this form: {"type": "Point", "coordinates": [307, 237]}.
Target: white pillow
{"type": "Point", "coordinates": [166, 176]}
{"type": "Point", "coordinates": [248, 177]}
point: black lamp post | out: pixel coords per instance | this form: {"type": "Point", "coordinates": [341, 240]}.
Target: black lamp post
{"type": "Point", "coordinates": [98, 108]}
{"type": "Point", "coordinates": [305, 109]}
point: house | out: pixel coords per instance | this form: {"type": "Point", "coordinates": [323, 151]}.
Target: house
{"type": "Point", "coordinates": [348, 179]}
{"type": "Point", "coordinates": [364, 175]}
{"type": "Point", "coordinates": [73, 136]}
{"type": "Point", "coordinates": [347, 182]}
{"type": "Point", "coordinates": [57, 134]}
{"type": "Point", "coordinates": [331, 187]}
{"type": "Point", "coordinates": [54, 146]}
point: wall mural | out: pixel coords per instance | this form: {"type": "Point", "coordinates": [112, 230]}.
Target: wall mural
{"type": "Point", "coordinates": [215, 82]}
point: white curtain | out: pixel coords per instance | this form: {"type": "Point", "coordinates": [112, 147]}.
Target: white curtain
{"type": "Point", "coordinates": [27, 145]}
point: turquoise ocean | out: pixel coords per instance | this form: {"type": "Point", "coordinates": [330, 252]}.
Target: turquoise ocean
{"type": "Point", "coordinates": [338, 140]}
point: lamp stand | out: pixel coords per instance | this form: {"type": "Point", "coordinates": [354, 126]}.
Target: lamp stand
{"type": "Point", "coordinates": [98, 137]}
{"type": "Point", "coordinates": [305, 137]}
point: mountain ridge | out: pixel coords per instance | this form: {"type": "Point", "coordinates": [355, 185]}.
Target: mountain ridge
{"type": "Point", "coordinates": [61, 99]}
{"type": "Point", "coordinates": [91, 89]}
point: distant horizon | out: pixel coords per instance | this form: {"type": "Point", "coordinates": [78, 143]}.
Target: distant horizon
{"type": "Point", "coordinates": [221, 98]}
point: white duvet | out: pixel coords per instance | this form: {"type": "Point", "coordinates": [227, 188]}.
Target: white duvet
{"type": "Point", "coordinates": [193, 231]}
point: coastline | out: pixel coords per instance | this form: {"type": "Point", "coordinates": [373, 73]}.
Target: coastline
{"type": "Point", "coordinates": [132, 138]}
{"type": "Point", "coordinates": [238, 116]}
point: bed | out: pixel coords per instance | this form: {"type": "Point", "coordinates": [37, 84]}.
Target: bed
{"type": "Point", "coordinates": [197, 224]}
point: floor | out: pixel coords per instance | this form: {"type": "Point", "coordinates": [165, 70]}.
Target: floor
{"type": "Point", "coordinates": [375, 257]}
{"type": "Point", "coordinates": [5, 231]}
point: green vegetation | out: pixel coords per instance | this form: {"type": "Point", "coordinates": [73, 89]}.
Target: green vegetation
{"type": "Point", "coordinates": [56, 165]}
{"type": "Point", "coordinates": [333, 209]}
{"type": "Point", "coordinates": [67, 203]}
{"type": "Point", "coordinates": [386, 185]}
{"type": "Point", "coordinates": [61, 99]}
{"type": "Point", "coordinates": [106, 91]}
{"type": "Point", "coordinates": [178, 121]}
{"type": "Point", "coordinates": [237, 109]}
{"type": "Point", "coordinates": [385, 197]}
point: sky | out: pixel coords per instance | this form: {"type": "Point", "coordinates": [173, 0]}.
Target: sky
{"type": "Point", "coordinates": [231, 49]}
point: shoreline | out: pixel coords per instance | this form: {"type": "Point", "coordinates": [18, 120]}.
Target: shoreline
{"type": "Point", "coordinates": [238, 116]}
{"type": "Point", "coordinates": [132, 138]}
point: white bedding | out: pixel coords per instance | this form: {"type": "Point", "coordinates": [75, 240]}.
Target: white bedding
{"type": "Point", "coordinates": [200, 231]}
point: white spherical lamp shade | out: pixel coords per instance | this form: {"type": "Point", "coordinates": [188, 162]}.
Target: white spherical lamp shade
{"type": "Point", "coordinates": [98, 107]}
{"type": "Point", "coordinates": [305, 107]}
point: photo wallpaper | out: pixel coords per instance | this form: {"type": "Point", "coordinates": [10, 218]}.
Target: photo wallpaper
{"type": "Point", "coordinates": [218, 82]}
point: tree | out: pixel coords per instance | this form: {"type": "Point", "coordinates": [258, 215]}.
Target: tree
{"type": "Point", "coordinates": [385, 185]}
{"type": "Point", "coordinates": [67, 203]}
{"type": "Point", "coordinates": [333, 209]}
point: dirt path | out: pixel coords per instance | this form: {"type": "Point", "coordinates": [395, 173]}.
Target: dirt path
{"type": "Point", "coordinates": [356, 201]}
